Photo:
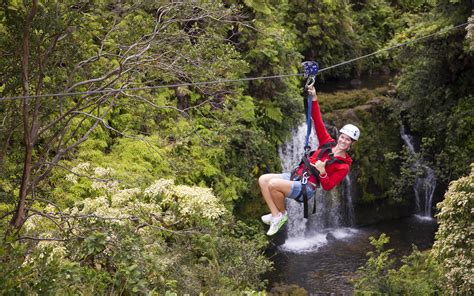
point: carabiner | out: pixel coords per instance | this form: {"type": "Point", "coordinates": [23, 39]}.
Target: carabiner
{"type": "Point", "coordinates": [304, 178]}
{"type": "Point", "coordinates": [310, 82]}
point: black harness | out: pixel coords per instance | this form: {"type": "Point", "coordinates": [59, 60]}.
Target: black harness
{"type": "Point", "coordinates": [308, 171]}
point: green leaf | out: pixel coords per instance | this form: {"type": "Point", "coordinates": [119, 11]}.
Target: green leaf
{"type": "Point", "coordinates": [258, 5]}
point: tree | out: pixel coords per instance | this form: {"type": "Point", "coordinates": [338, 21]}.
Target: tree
{"type": "Point", "coordinates": [99, 50]}
{"type": "Point", "coordinates": [454, 239]}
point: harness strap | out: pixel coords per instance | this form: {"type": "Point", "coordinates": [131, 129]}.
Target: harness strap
{"type": "Point", "coordinates": [326, 147]}
{"type": "Point", "coordinates": [333, 160]}
{"type": "Point", "coordinates": [314, 204]}
{"type": "Point", "coordinates": [309, 169]}
{"type": "Point", "coordinates": [308, 125]}
{"type": "Point", "coordinates": [305, 200]}
{"type": "Point", "coordinates": [307, 166]}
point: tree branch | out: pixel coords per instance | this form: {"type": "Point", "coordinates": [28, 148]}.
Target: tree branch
{"type": "Point", "coordinates": [47, 216]}
{"type": "Point", "coordinates": [41, 239]}
{"type": "Point", "coordinates": [6, 215]}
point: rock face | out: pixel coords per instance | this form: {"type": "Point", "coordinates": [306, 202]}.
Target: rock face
{"type": "Point", "coordinates": [381, 210]}
{"type": "Point", "coordinates": [377, 164]}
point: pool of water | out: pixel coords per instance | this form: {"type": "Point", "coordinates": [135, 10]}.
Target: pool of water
{"type": "Point", "coordinates": [324, 263]}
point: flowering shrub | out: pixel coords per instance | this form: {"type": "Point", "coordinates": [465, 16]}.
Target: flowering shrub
{"type": "Point", "coordinates": [189, 201]}
{"type": "Point", "coordinates": [455, 236]}
{"type": "Point", "coordinates": [161, 239]}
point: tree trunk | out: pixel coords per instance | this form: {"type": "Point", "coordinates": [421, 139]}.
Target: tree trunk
{"type": "Point", "coordinates": [20, 211]}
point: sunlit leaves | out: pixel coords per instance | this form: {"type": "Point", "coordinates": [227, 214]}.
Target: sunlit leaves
{"type": "Point", "coordinates": [454, 239]}
{"type": "Point", "coordinates": [138, 240]}
{"type": "Point", "coordinates": [420, 274]}
{"type": "Point", "coordinates": [245, 109]}
{"type": "Point", "coordinates": [260, 6]}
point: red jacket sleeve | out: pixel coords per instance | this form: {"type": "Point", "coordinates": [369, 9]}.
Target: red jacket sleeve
{"type": "Point", "coordinates": [321, 132]}
{"type": "Point", "coordinates": [335, 177]}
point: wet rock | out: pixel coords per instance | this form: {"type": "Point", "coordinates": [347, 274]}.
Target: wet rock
{"type": "Point", "coordinates": [330, 237]}
{"type": "Point", "coordinates": [280, 237]}
{"type": "Point", "coordinates": [356, 82]}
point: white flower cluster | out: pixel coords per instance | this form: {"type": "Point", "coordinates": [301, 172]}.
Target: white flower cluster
{"type": "Point", "coordinates": [454, 238]}
{"type": "Point", "coordinates": [94, 205]}
{"type": "Point", "coordinates": [37, 222]}
{"type": "Point", "coordinates": [124, 208]}
{"type": "Point", "coordinates": [81, 168]}
{"type": "Point", "coordinates": [86, 169]}
{"type": "Point", "coordinates": [190, 200]}
{"type": "Point", "coordinates": [48, 249]}
{"type": "Point", "coordinates": [100, 172]}
{"type": "Point", "coordinates": [470, 32]}
{"type": "Point", "coordinates": [161, 186]}
{"type": "Point", "coordinates": [31, 223]}
{"type": "Point", "coordinates": [109, 186]}
{"type": "Point", "coordinates": [118, 208]}
{"type": "Point", "coordinates": [72, 178]}
{"type": "Point", "coordinates": [123, 197]}
{"type": "Point", "coordinates": [199, 200]}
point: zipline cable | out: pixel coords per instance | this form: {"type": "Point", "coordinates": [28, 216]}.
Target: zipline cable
{"type": "Point", "coordinates": [230, 80]}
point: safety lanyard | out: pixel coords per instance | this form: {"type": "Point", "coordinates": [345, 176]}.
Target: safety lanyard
{"type": "Point", "coordinates": [310, 71]}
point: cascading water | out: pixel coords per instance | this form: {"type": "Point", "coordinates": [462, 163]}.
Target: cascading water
{"type": "Point", "coordinates": [349, 208]}
{"type": "Point", "coordinates": [333, 208]}
{"type": "Point", "coordinates": [425, 183]}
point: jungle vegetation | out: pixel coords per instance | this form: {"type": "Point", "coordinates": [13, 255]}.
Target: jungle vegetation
{"type": "Point", "coordinates": [121, 186]}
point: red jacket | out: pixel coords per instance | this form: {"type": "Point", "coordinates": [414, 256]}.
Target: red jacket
{"type": "Point", "coordinates": [335, 171]}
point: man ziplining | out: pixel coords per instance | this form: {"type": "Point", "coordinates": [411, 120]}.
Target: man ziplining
{"type": "Point", "coordinates": [326, 167]}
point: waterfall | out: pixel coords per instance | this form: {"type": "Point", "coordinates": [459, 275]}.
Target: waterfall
{"type": "Point", "coordinates": [334, 208]}
{"type": "Point", "coordinates": [349, 207]}
{"type": "Point", "coordinates": [425, 183]}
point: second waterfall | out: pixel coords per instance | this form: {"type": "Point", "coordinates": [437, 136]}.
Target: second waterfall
{"type": "Point", "coordinates": [334, 210]}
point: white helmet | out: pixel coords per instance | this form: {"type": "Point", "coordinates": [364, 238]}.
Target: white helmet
{"type": "Point", "coordinates": [351, 130]}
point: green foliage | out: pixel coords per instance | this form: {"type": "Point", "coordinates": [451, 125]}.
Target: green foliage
{"type": "Point", "coordinates": [132, 241]}
{"type": "Point", "coordinates": [373, 275]}
{"type": "Point", "coordinates": [326, 33]}
{"type": "Point", "coordinates": [452, 160]}
{"type": "Point", "coordinates": [219, 136]}
{"type": "Point", "coordinates": [271, 50]}
{"type": "Point", "coordinates": [436, 82]}
{"type": "Point", "coordinates": [419, 274]}
{"type": "Point", "coordinates": [374, 24]}
{"type": "Point", "coordinates": [45, 271]}
{"type": "Point", "coordinates": [350, 99]}
{"type": "Point", "coordinates": [454, 239]}
{"type": "Point", "coordinates": [416, 5]}
{"type": "Point", "coordinates": [140, 162]}
{"type": "Point", "coordinates": [402, 184]}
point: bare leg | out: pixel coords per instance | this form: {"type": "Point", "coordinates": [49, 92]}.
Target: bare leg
{"type": "Point", "coordinates": [274, 189]}
{"type": "Point", "coordinates": [279, 189]}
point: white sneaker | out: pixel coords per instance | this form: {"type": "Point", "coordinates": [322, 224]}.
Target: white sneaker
{"type": "Point", "coordinates": [267, 219]}
{"type": "Point", "coordinates": [277, 223]}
